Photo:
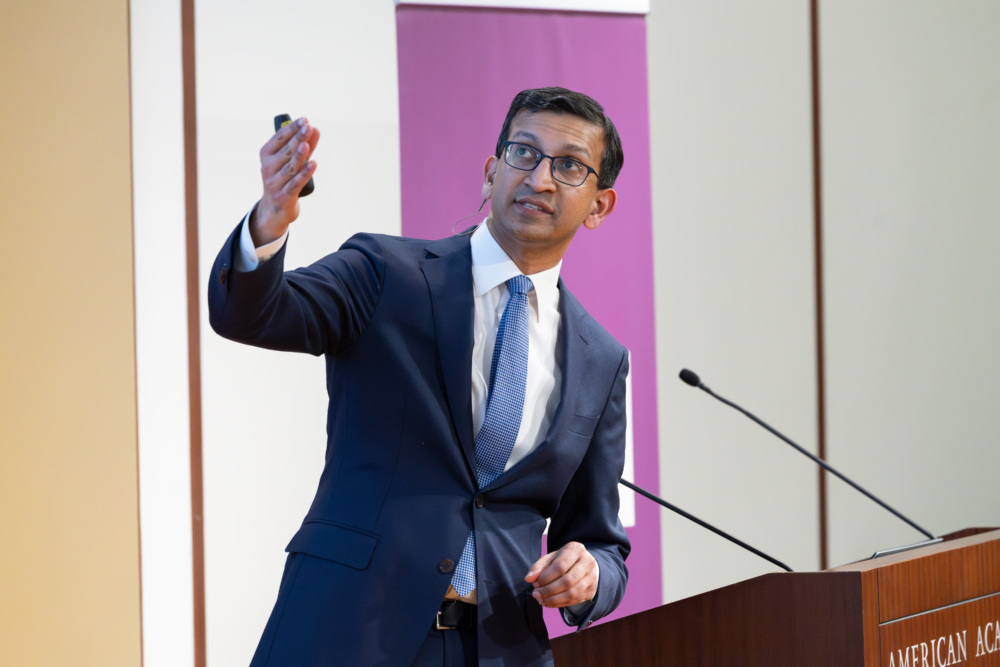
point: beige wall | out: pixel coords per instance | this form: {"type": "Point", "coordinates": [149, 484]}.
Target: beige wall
{"type": "Point", "coordinates": [69, 566]}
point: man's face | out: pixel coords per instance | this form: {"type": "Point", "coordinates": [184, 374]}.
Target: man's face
{"type": "Point", "coordinates": [533, 216]}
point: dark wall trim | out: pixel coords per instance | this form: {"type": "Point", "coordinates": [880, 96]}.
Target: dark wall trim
{"type": "Point", "coordinates": [194, 324]}
{"type": "Point", "coordinates": [818, 249]}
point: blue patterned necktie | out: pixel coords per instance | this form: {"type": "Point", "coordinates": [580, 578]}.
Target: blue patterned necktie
{"type": "Point", "coordinates": [504, 406]}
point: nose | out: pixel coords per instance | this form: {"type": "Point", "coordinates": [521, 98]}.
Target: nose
{"type": "Point", "coordinates": [540, 178]}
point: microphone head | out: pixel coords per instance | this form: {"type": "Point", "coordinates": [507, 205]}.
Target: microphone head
{"type": "Point", "coordinates": [690, 377]}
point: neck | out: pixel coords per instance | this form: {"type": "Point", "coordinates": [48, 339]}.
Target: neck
{"type": "Point", "coordinates": [529, 260]}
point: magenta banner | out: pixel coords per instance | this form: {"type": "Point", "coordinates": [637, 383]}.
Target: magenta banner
{"type": "Point", "coordinates": [459, 68]}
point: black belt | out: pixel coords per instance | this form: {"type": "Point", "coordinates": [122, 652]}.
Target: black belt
{"type": "Point", "coordinates": [456, 615]}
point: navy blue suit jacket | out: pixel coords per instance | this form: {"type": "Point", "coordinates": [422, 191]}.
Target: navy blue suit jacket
{"type": "Point", "coordinates": [370, 565]}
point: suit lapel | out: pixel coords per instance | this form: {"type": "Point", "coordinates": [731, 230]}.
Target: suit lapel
{"type": "Point", "coordinates": [576, 361]}
{"type": "Point", "coordinates": [448, 271]}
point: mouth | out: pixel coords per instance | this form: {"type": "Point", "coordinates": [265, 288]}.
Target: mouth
{"type": "Point", "coordinates": [534, 205]}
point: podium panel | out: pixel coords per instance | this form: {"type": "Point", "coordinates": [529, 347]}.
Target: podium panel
{"type": "Point", "coordinates": [955, 635]}
{"type": "Point", "coordinates": [929, 607]}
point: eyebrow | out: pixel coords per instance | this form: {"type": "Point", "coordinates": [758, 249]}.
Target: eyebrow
{"type": "Point", "coordinates": [567, 148]}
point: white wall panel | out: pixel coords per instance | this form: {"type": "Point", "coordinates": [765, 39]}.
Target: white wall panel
{"type": "Point", "coordinates": [733, 230]}
{"type": "Point", "coordinates": [264, 412]}
{"type": "Point", "coordinates": [161, 333]}
{"type": "Point", "coordinates": [911, 98]}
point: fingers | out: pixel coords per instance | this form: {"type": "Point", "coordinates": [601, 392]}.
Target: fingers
{"type": "Point", "coordinates": [283, 157]}
{"type": "Point", "coordinates": [540, 565]}
{"type": "Point", "coordinates": [565, 577]}
{"type": "Point", "coordinates": [287, 182]}
{"type": "Point", "coordinates": [285, 134]}
{"type": "Point", "coordinates": [313, 140]}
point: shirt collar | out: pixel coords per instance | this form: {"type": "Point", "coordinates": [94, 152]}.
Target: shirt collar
{"type": "Point", "coordinates": [491, 266]}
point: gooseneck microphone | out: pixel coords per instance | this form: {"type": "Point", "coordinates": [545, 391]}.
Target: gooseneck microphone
{"type": "Point", "coordinates": [689, 517]}
{"type": "Point", "coordinates": [691, 378]}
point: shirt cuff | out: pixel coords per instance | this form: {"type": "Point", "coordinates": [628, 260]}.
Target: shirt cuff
{"type": "Point", "coordinates": [249, 258]}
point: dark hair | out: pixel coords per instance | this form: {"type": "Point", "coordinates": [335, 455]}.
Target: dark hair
{"type": "Point", "coordinates": [561, 100]}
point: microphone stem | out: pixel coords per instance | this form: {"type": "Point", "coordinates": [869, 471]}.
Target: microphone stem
{"type": "Point", "coordinates": [815, 458]}
{"type": "Point", "coordinates": [678, 510]}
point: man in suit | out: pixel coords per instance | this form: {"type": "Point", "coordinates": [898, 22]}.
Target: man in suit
{"type": "Point", "coordinates": [471, 399]}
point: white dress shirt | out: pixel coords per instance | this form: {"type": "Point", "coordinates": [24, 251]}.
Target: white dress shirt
{"type": "Point", "coordinates": [491, 268]}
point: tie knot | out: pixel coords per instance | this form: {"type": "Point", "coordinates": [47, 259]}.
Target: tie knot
{"type": "Point", "coordinates": [519, 285]}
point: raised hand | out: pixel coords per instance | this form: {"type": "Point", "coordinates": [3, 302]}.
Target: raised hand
{"type": "Point", "coordinates": [285, 168]}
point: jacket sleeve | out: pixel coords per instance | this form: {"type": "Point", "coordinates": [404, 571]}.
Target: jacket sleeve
{"type": "Point", "coordinates": [588, 512]}
{"type": "Point", "coordinates": [320, 308]}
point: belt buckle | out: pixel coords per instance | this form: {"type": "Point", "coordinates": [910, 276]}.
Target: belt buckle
{"type": "Point", "coordinates": [438, 626]}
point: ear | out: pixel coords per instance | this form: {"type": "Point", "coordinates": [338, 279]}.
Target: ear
{"type": "Point", "coordinates": [604, 203]}
{"type": "Point", "coordinates": [489, 175]}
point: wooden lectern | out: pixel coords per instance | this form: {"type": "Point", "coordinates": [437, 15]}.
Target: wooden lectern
{"type": "Point", "coordinates": [929, 607]}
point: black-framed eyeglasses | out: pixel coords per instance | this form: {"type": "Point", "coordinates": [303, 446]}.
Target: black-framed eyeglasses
{"type": "Point", "coordinates": [564, 169]}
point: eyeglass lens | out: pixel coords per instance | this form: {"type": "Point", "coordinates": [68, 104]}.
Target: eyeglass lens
{"type": "Point", "coordinates": [564, 169]}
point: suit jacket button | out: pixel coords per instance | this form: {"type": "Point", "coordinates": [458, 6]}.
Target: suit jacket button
{"type": "Point", "coordinates": [480, 501]}
{"type": "Point", "coordinates": [447, 566]}
{"type": "Point", "coordinates": [222, 275]}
